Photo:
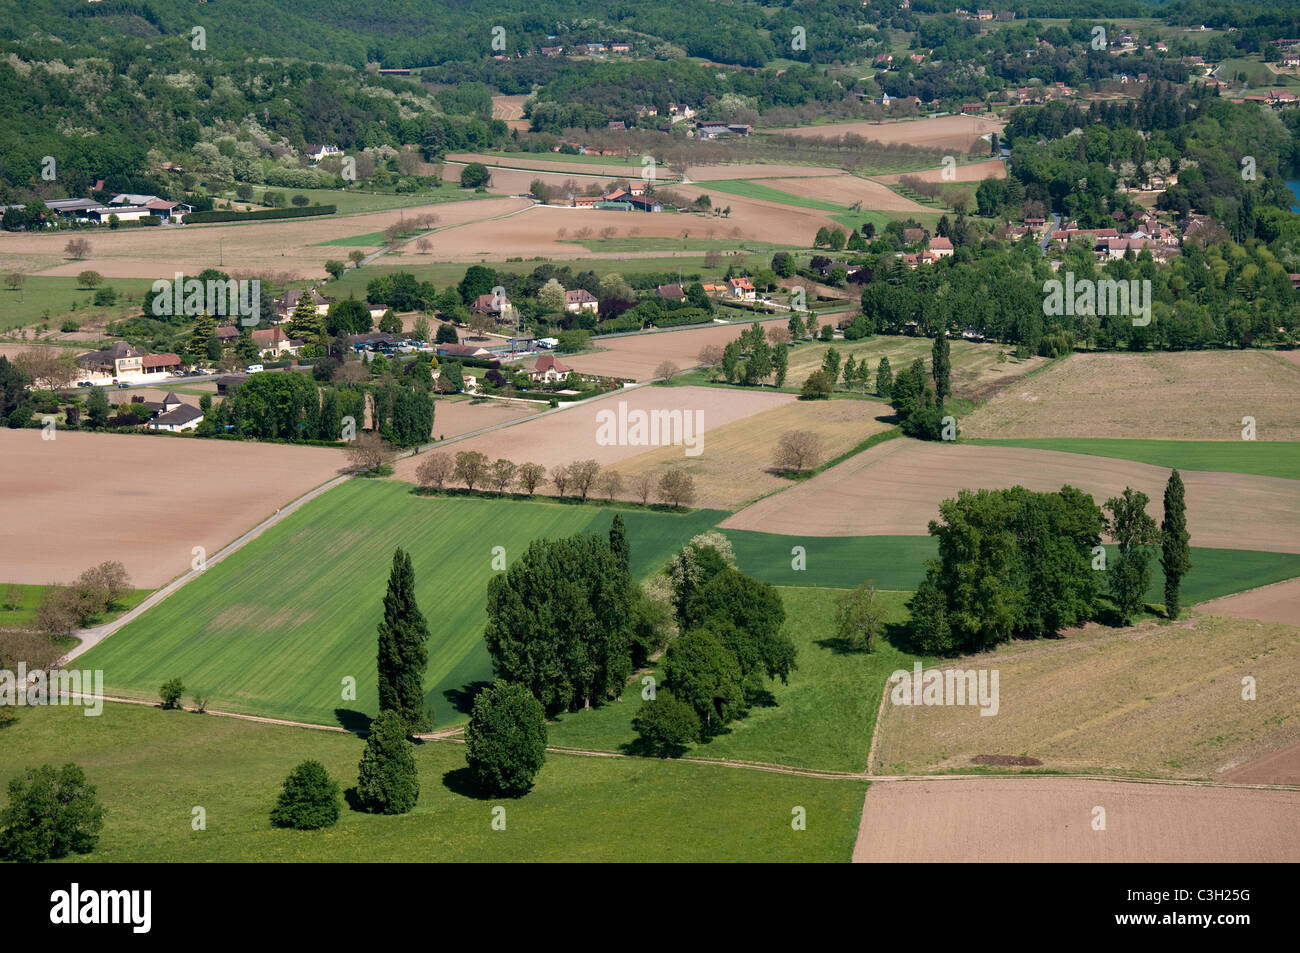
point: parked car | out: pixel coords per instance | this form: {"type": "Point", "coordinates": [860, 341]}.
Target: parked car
{"type": "Point", "coordinates": [123, 386]}
{"type": "Point", "coordinates": [85, 383]}
{"type": "Point", "coordinates": [254, 368]}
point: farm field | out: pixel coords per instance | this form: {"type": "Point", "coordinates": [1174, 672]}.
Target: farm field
{"type": "Point", "coordinates": [1149, 396]}
{"type": "Point", "coordinates": [961, 133]}
{"type": "Point", "coordinates": [843, 189]}
{"type": "Point", "coordinates": [1049, 820]}
{"type": "Point", "coordinates": [1278, 767]}
{"type": "Point", "coordinates": [1160, 699]}
{"type": "Point", "coordinates": [570, 433]}
{"type": "Point", "coordinates": [1279, 602]}
{"type": "Point", "coordinates": [150, 767]}
{"type": "Point", "coordinates": [60, 298]}
{"type": "Point", "coordinates": [737, 463]}
{"type": "Point", "coordinates": [614, 166]}
{"type": "Point", "coordinates": [82, 498]}
{"type": "Point", "coordinates": [967, 172]}
{"type": "Point", "coordinates": [287, 247]}
{"type": "Point", "coordinates": [455, 416]}
{"type": "Point", "coordinates": [895, 488]}
{"type": "Point", "coordinates": [282, 650]}
{"type": "Point", "coordinates": [638, 355]}
{"type": "Point", "coordinates": [822, 720]}
{"type": "Point", "coordinates": [1272, 458]}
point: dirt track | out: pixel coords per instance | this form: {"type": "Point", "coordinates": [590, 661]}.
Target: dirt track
{"type": "Point", "coordinates": [896, 489]}
{"type": "Point", "coordinates": [1017, 820]}
{"type": "Point", "coordinates": [82, 498]}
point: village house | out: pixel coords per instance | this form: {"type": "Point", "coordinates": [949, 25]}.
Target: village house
{"type": "Point", "coordinates": [491, 305]}
{"type": "Point", "coordinates": [285, 306]}
{"type": "Point", "coordinates": [671, 292]}
{"type": "Point", "coordinates": [275, 343]}
{"type": "Point", "coordinates": [462, 350]}
{"type": "Point", "coordinates": [742, 289]}
{"type": "Point", "coordinates": [181, 418]}
{"type": "Point", "coordinates": [227, 334]}
{"type": "Point", "coordinates": [316, 153]}
{"type": "Point", "coordinates": [120, 360]}
{"type": "Point", "coordinates": [548, 369]}
{"type": "Point", "coordinates": [580, 299]}
{"type": "Point", "coordinates": [913, 236]}
{"type": "Point", "coordinates": [940, 247]}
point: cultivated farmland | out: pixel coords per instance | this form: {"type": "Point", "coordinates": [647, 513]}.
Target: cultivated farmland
{"type": "Point", "coordinates": [276, 627]}
{"type": "Point", "coordinates": [960, 133]}
{"type": "Point", "coordinates": [1047, 820]}
{"type": "Point", "coordinates": [896, 488]}
{"type": "Point", "coordinates": [146, 501]}
{"type": "Point", "coordinates": [1154, 700]}
{"type": "Point", "coordinates": [1154, 396]}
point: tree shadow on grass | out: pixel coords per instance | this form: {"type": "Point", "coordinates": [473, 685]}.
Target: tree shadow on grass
{"type": "Point", "coordinates": [461, 781]}
{"type": "Point", "coordinates": [640, 748]}
{"type": "Point", "coordinates": [462, 699]}
{"type": "Point", "coordinates": [357, 722]}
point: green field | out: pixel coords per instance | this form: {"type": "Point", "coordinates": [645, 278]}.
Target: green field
{"type": "Point", "coordinates": [275, 629]}
{"type": "Point", "coordinates": [353, 202]}
{"type": "Point", "coordinates": [756, 190]}
{"type": "Point", "coordinates": [151, 767]}
{"type": "Point", "coordinates": [1262, 458]}
{"type": "Point", "coordinates": [897, 562]}
{"type": "Point", "coordinates": [25, 600]}
{"type": "Point", "coordinates": [53, 300]}
{"type": "Point", "coordinates": [822, 720]}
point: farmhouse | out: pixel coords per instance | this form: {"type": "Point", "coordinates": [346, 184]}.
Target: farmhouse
{"type": "Point", "coordinates": [580, 299]}
{"type": "Point", "coordinates": [548, 369]}
{"type": "Point", "coordinates": [227, 334]}
{"type": "Point", "coordinates": [671, 292]}
{"type": "Point", "coordinates": [316, 153]}
{"type": "Point", "coordinates": [160, 363]}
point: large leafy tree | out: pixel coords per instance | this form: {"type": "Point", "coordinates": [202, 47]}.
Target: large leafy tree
{"type": "Point", "coordinates": [51, 813]}
{"type": "Point", "coordinates": [705, 675]}
{"type": "Point", "coordinates": [747, 616]}
{"type": "Point", "coordinates": [1129, 573]}
{"type": "Point", "coordinates": [666, 725]}
{"type": "Point", "coordinates": [1176, 554]}
{"type": "Point", "coordinates": [505, 740]}
{"type": "Point", "coordinates": [387, 780]}
{"type": "Point", "coordinates": [403, 648]}
{"type": "Point", "coordinates": [309, 800]}
{"type": "Point", "coordinates": [560, 619]}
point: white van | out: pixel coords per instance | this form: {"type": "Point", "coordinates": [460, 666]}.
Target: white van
{"type": "Point", "coordinates": [254, 368]}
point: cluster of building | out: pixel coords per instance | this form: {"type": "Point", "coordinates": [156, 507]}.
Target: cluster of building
{"type": "Point", "coordinates": [584, 49]}
{"type": "Point", "coordinates": [630, 199]}
{"type": "Point", "coordinates": [126, 207]}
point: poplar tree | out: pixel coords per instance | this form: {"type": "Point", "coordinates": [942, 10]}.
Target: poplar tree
{"type": "Point", "coordinates": [941, 367]}
{"type": "Point", "coordinates": [1175, 556]}
{"type": "Point", "coordinates": [403, 649]}
{"type": "Point", "coordinates": [618, 542]}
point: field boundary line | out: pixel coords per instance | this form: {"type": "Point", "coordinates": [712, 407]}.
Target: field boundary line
{"type": "Point", "coordinates": [875, 731]}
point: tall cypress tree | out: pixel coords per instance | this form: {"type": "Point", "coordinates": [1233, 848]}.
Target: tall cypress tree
{"type": "Point", "coordinates": [942, 366]}
{"type": "Point", "coordinates": [1176, 556]}
{"type": "Point", "coordinates": [403, 648]}
{"type": "Point", "coordinates": [884, 378]}
{"type": "Point", "coordinates": [619, 544]}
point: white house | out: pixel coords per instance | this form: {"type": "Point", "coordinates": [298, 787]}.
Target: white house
{"type": "Point", "coordinates": [580, 299]}
{"type": "Point", "coordinates": [181, 418]}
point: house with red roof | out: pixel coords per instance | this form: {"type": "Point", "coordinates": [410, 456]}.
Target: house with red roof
{"type": "Point", "coordinates": [548, 369]}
